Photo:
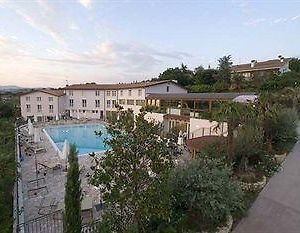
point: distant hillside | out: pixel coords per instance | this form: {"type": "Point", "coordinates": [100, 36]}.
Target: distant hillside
{"type": "Point", "coordinates": [10, 88]}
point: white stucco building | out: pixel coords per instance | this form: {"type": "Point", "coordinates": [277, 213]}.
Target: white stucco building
{"type": "Point", "coordinates": [92, 100]}
{"type": "Point", "coordinates": [43, 105]}
{"type": "Point", "coordinates": [99, 100]}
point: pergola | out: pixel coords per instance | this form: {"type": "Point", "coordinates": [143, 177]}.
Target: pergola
{"type": "Point", "coordinates": [197, 102]}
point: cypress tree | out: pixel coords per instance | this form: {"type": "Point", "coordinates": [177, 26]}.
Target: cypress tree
{"type": "Point", "coordinates": [72, 216]}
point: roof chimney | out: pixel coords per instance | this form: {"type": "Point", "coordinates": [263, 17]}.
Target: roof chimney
{"type": "Point", "coordinates": [253, 62]}
{"type": "Point", "coordinates": [281, 58]}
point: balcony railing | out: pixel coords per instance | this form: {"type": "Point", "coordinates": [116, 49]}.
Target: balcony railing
{"type": "Point", "coordinates": [195, 113]}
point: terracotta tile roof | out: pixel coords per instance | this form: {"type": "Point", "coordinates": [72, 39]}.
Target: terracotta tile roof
{"type": "Point", "coordinates": [94, 86]}
{"type": "Point", "coordinates": [264, 65]}
{"type": "Point", "coordinates": [199, 96]}
{"type": "Point", "coordinates": [55, 92]}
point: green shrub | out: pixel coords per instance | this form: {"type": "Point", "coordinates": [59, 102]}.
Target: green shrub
{"type": "Point", "coordinates": [267, 165]}
{"type": "Point", "coordinates": [248, 147]}
{"type": "Point", "coordinates": [204, 195]}
{"type": "Point", "coordinates": [214, 150]}
{"type": "Point", "coordinates": [285, 123]}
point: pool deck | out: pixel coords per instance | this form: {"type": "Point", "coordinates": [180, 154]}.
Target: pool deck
{"type": "Point", "coordinates": [50, 188]}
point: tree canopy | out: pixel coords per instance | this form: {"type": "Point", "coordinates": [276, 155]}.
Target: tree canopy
{"type": "Point", "coordinates": [132, 174]}
{"type": "Point", "coordinates": [72, 215]}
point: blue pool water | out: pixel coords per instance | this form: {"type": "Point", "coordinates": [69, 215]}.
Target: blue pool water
{"type": "Point", "coordinates": [83, 136]}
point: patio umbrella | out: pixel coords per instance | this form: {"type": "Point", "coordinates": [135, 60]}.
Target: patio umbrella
{"type": "Point", "coordinates": [30, 127]}
{"type": "Point", "coordinates": [56, 117]}
{"type": "Point", "coordinates": [35, 118]}
{"type": "Point", "coordinates": [65, 150]}
{"type": "Point", "coordinates": [36, 137]}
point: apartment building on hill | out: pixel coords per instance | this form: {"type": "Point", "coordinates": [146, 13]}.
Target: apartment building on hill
{"type": "Point", "coordinates": [263, 68]}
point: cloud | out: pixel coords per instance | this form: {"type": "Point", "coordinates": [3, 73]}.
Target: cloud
{"type": "Point", "coordinates": [296, 17]}
{"type": "Point", "coordinates": [255, 22]}
{"type": "Point", "coordinates": [41, 15]}
{"type": "Point", "coordinates": [86, 3]}
{"type": "Point", "coordinates": [42, 25]}
{"type": "Point", "coordinates": [244, 5]}
{"type": "Point", "coordinates": [280, 20]}
{"type": "Point", "coordinates": [73, 27]}
{"type": "Point", "coordinates": [10, 48]}
{"type": "Point", "coordinates": [129, 56]}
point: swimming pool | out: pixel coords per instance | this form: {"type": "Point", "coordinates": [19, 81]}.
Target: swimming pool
{"type": "Point", "coordinates": [83, 136]}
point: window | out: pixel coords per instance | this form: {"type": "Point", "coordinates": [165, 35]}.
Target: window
{"type": "Point", "coordinates": [84, 103]}
{"type": "Point", "coordinates": [129, 92]}
{"type": "Point", "coordinates": [71, 101]}
{"type": "Point", "coordinates": [28, 108]}
{"type": "Point", "coordinates": [38, 98]}
{"type": "Point", "coordinates": [108, 103]}
{"type": "Point", "coordinates": [50, 99]}
{"type": "Point", "coordinates": [168, 88]}
{"type": "Point", "coordinates": [50, 108]}
{"type": "Point", "coordinates": [114, 93]}
{"type": "Point", "coordinates": [121, 93]}
{"type": "Point", "coordinates": [39, 108]}
{"type": "Point", "coordinates": [122, 101]}
{"type": "Point", "coordinates": [130, 102]}
{"type": "Point", "coordinates": [114, 103]}
{"type": "Point", "coordinates": [97, 93]}
{"type": "Point", "coordinates": [140, 102]}
{"type": "Point", "coordinates": [140, 92]}
{"type": "Point", "coordinates": [108, 93]}
{"type": "Point", "coordinates": [71, 93]}
{"type": "Point", "coordinates": [97, 103]}
{"type": "Point", "coordinates": [27, 98]}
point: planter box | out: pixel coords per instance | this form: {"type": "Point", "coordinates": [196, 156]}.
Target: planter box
{"type": "Point", "coordinates": [226, 228]}
{"type": "Point", "coordinates": [252, 187]}
{"type": "Point", "coordinates": [280, 158]}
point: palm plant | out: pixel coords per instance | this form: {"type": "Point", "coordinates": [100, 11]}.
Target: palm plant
{"type": "Point", "coordinates": [234, 114]}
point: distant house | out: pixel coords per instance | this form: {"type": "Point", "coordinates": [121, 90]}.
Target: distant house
{"type": "Point", "coordinates": [263, 68]}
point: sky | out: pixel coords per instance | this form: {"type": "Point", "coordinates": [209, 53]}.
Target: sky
{"type": "Point", "coordinates": [51, 43]}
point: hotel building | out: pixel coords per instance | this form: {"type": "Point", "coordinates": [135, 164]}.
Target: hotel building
{"type": "Point", "coordinates": [91, 100]}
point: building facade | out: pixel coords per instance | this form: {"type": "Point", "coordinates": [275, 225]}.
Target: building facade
{"type": "Point", "coordinates": [43, 105]}
{"type": "Point", "coordinates": [100, 100]}
{"type": "Point", "coordinates": [263, 68]}
{"type": "Point", "coordinates": [92, 100]}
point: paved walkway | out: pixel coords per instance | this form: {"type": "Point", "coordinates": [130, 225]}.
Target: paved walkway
{"type": "Point", "coordinates": [277, 208]}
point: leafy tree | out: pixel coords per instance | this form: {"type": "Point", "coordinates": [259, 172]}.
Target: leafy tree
{"type": "Point", "coordinates": [72, 215]}
{"type": "Point", "coordinates": [280, 81]}
{"type": "Point", "coordinates": [294, 65]}
{"type": "Point", "coordinates": [224, 68]}
{"type": "Point", "coordinates": [237, 81]}
{"type": "Point", "coordinates": [181, 74]}
{"type": "Point", "coordinates": [7, 173]}
{"type": "Point", "coordinates": [6, 110]}
{"type": "Point", "coordinates": [205, 76]}
{"type": "Point", "coordinates": [204, 196]}
{"type": "Point", "coordinates": [133, 173]}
